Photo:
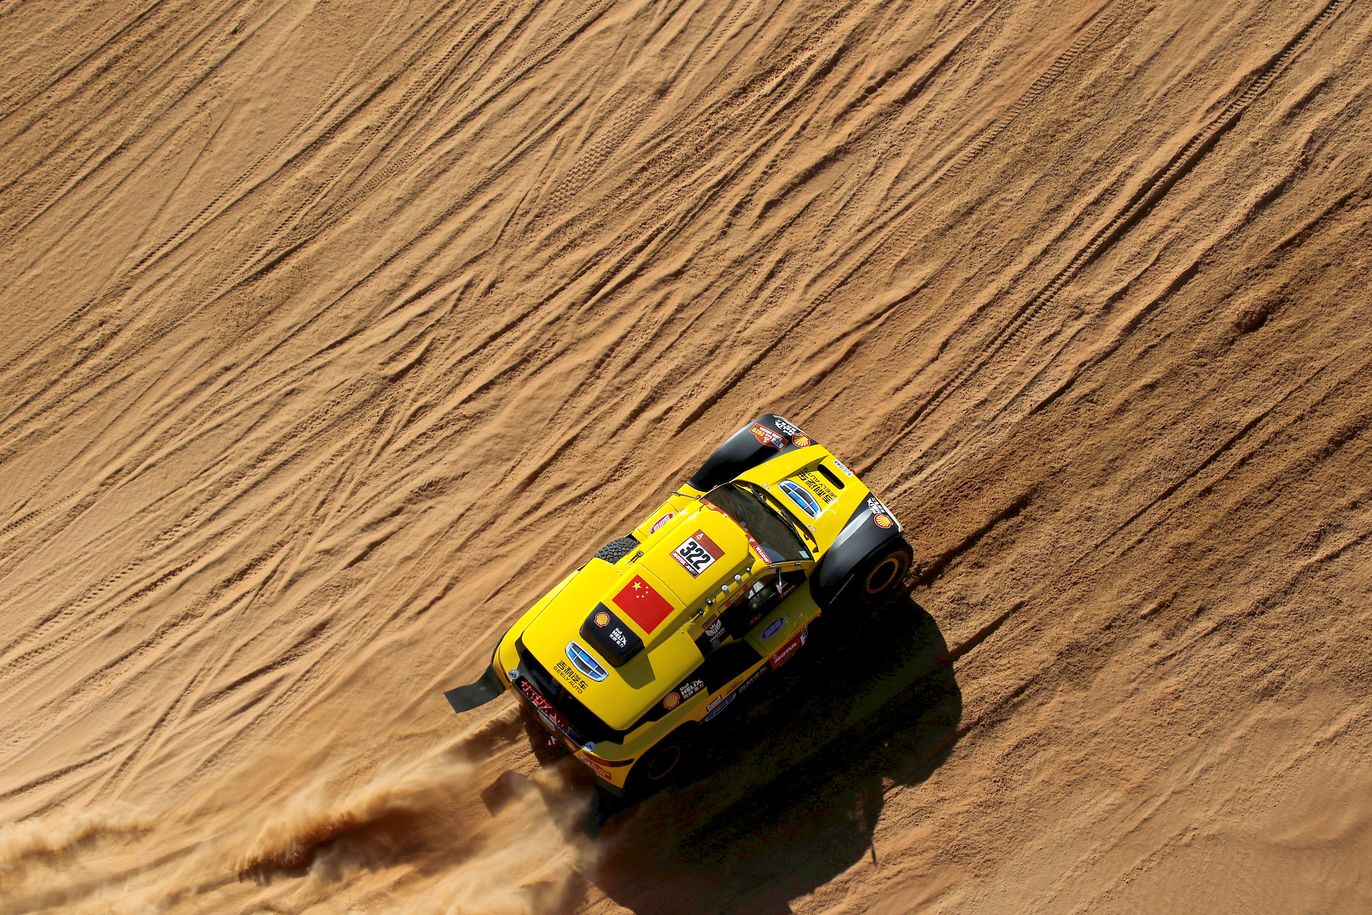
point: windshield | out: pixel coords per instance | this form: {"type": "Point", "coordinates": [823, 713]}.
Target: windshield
{"type": "Point", "coordinates": [775, 534]}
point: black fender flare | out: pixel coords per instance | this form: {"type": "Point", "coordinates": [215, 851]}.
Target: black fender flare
{"type": "Point", "coordinates": [756, 443]}
{"type": "Point", "coordinates": [863, 536]}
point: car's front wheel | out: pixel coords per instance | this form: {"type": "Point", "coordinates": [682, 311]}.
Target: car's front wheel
{"type": "Point", "coordinates": [885, 572]}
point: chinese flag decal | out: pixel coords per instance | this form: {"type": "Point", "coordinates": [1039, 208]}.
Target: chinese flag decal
{"type": "Point", "coordinates": [643, 605]}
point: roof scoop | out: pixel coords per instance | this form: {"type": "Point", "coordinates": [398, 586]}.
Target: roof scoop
{"type": "Point", "coordinates": [609, 635]}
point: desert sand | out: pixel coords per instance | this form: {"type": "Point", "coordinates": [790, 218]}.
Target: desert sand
{"type": "Point", "coordinates": [336, 332]}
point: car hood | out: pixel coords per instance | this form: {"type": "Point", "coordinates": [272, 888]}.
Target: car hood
{"type": "Point", "coordinates": [815, 489]}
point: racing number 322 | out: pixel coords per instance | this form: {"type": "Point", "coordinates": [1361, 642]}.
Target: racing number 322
{"type": "Point", "coordinates": [695, 557]}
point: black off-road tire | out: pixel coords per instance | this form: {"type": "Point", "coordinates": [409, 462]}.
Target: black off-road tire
{"type": "Point", "coordinates": [884, 572]}
{"type": "Point", "coordinates": [880, 574]}
{"type": "Point", "coordinates": [617, 549]}
{"type": "Point", "coordinates": [659, 766]}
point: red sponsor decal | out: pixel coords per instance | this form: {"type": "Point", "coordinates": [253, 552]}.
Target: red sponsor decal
{"type": "Point", "coordinates": [784, 653]}
{"type": "Point", "coordinates": [543, 705]}
{"type": "Point", "coordinates": [596, 767]}
{"type": "Point", "coordinates": [768, 437]}
{"type": "Point", "coordinates": [643, 605]}
{"type": "Point", "coordinates": [757, 548]}
{"type": "Point", "coordinates": [661, 521]}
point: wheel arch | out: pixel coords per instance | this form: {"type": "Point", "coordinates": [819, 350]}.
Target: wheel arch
{"type": "Point", "coordinates": [755, 443]}
{"type": "Point", "coordinates": [637, 783]}
{"type": "Point", "coordinates": [861, 539]}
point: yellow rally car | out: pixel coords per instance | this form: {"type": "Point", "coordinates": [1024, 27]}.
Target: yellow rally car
{"type": "Point", "coordinates": [663, 629]}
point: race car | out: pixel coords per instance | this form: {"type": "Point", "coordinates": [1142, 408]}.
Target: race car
{"type": "Point", "coordinates": [664, 629]}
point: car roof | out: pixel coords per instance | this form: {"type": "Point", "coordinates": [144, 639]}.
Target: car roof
{"type": "Point", "coordinates": [654, 591]}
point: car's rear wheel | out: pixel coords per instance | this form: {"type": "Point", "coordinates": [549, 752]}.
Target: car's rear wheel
{"type": "Point", "coordinates": [659, 766]}
{"type": "Point", "coordinates": [617, 549]}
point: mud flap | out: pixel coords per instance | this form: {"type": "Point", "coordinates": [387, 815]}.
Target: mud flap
{"type": "Point", "coordinates": [466, 698]}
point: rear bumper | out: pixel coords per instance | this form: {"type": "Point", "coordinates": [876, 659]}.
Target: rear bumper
{"type": "Point", "coordinates": [610, 774]}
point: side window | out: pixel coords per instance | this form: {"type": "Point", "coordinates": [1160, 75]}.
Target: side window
{"type": "Point", "coordinates": [761, 599]}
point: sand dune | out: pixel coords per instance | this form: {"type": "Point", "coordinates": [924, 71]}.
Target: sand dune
{"type": "Point", "coordinates": [336, 332]}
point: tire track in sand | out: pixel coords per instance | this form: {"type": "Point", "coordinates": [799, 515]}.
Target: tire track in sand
{"type": "Point", "coordinates": [1150, 191]}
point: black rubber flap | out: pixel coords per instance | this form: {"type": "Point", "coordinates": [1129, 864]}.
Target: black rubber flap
{"type": "Point", "coordinates": [466, 698]}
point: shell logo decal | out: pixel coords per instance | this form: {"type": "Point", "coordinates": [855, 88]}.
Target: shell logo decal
{"type": "Point", "coordinates": [602, 619]}
{"type": "Point", "coordinates": [671, 700]}
{"type": "Point", "coordinates": [801, 440]}
{"type": "Point", "coordinates": [882, 521]}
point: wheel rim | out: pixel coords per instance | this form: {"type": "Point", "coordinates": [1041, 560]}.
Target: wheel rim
{"type": "Point", "coordinates": [663, 764]}
{"type": "Point", "coordinates": [883, 575]}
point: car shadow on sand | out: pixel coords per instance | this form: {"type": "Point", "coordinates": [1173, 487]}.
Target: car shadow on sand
{"type": "Point", "coordinates": [785, 793]}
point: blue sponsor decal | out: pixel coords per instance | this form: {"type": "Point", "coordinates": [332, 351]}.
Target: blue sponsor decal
{"type": "Point", "coordinates": [801, 497]}
{"type": "Point", "coordinates": [719, 708]}
{"type": "Point", "coordinates": [585, 663]}
{"type": "Point", "coordinates": [772, 629]}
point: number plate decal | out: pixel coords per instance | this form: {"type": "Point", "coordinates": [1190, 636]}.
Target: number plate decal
{"type": "Point", "coordinates": [698, 553]}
